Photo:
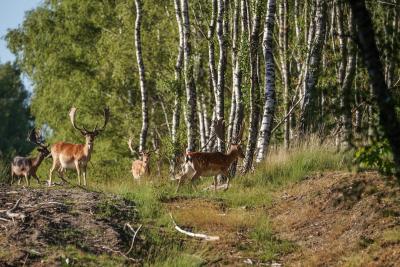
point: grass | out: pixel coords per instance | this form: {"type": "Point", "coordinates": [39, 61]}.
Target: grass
{"type": "Point", "coordinates": [243, 205]}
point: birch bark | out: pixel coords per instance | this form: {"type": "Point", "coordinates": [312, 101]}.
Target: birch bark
{"type": "Point", "coordinates": [269, 97]}
{"type": "Point", "coordinates": [190, 86]}
{"type": "Point", "coordinates": [142, 81]}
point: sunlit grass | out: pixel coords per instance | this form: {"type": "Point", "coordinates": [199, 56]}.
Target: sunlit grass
{"type": "Point", "coordinates": [245, 201]}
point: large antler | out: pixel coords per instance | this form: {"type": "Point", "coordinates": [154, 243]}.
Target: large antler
{"type": "Point", "coordinates": [130, 145]}
{"type": "Point", "coordinates": [240, 135]}
{"type": "Point", "coordinates": [219, 126]}
{"type": "Point", "coordinates": [35, 138]}
{"type": "Point", "coordinates": [72, 117]}
{"type": "Point", "coordinates": [106, 114]}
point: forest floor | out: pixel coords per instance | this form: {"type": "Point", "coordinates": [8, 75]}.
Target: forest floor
{"type": "Point", "coordinates": [327, 219]}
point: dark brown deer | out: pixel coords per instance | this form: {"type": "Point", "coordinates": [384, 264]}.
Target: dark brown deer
{"type": "Point", "coordinates": [76, 156]}
{"type": "Point", "coordinates": [27, 166]}
{"type": "Point", "coordinates": [204, 164]}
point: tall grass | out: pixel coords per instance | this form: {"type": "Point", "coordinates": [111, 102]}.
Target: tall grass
{"type": "Point", "coordinates": [5, 171]}
{"type": "Point", "coordinates": [254, 190]}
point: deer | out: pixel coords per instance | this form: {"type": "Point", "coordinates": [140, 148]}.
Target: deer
{"type": "Point", "coordinates": [27, 166]}
{"type": "Point", "coordinates": [205, 164]}
{"type": "Point", "coordinates": [76, 156]}
{"type": "Point", "coordinates": [141, 166]}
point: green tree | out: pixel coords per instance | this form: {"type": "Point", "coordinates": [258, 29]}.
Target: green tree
{"type": "Point", "coordinates": [14, 112]}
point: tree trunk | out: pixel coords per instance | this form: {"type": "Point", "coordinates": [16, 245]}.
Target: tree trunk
{"type": "Point", "coordinates": [269, 98]}
{"type": "Point", "coordinates": [254, 91]}
{"type": "Point", "coordinates": [189, 80]}
{"type": "Point", "coordinates": [219, 94]}
{"type": "Point", "coordinates": [237, 50]}
{"type": "Point", "coordinates": [142, 81]}
{"type": "Point", "coordinates": [313, 62]}
{"type": "Point", "coordinates": [283, 45]}
{"type": "Point", "coordinates": [387, 113]}
{"type": "Point", "coordinates": [176, 114]}
{"type": "Point", "coordinates": [346, 92]}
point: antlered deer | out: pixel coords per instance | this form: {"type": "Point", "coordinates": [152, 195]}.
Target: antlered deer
{"type": "Point", "coordinates": [27, 166]}
{"type": "Point", "coordinates": [76, 156]}
{"type": "Point", "coordinates": [205, 164]}
{"type": "Point", "coordinates": [141, 166]}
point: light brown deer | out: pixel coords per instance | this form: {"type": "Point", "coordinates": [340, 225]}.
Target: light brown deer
{"type": "Point", "coordinates": [27, 166]}
{"type": "Point", "coordinates": [76, 156]}
{"type": "Point", "coordinates": [204, 164]}
{"type": "Point", "coordinates": [141, 166]}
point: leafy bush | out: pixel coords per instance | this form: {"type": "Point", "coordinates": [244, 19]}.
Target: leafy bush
{"type": "Point", "coordinates": [376, 156]}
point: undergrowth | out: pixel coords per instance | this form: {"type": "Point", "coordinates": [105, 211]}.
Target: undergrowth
{"type": "Point", "coordinates": [255, 191]}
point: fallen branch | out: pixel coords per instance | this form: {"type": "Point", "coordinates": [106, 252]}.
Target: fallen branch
{"type": "Point", "coordinates": [4, 220]}
{"type": "Point", "coordinates": [12, 215]}
{"type": "Point", "coordinates": [135, 232]}
{"type": "Point", "coordinates": [119, 253]}
{"type": "Point", "coordinates": [202, 236]}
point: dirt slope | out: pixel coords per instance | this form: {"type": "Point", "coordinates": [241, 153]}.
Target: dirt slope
{"type": "Point", "coordinates": [340, 219]}
{"type": "Point", "coordinates": [58, 221]}
{"type": "Point", "coordinates": [329, 219]}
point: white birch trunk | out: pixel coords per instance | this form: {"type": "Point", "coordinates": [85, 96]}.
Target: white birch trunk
{"type": "Point", "coordinates": [269, 98]}
{"type": "Point", "coordinates": [254, 91]}
{"type": "Point", "coordinates": [142, 81]}
{"type": "Point", "coordinates": [189, 80]}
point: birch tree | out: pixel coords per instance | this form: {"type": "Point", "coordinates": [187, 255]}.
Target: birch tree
{"type": "Point", "coordinates": [315, 45]}
{"type": "Point", "coordinates": [345, 86]}
{"type": "Point", "coordinates": [142, 81]}
{"type": "Point", "coordinates": [190, 86]}
{"type": "Point", "coordinates": [269, 97]}
{"type": "Point", "coordinates": [284, 60]}
{"type": "Point", "coordinates": [254, 90]}
{"type": "Point", "coordinates": [219, 94]}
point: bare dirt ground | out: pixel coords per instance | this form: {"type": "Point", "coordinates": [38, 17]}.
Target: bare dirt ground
{"type": "Point", "coordinates": [340, 219]}
{"type": "Point", "coordinates": [60, 220]}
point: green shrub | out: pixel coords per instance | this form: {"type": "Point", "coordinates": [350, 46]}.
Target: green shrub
{"type": "Point", "coordinates": [376, 156]}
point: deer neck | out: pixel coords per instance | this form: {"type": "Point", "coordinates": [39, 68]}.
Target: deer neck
{"type": "Point", "coordinates": [88, 148]}
{"type": "Point", "coordinates": [232, 155]}
{"type": "Point", "coordinates": [36, 161]}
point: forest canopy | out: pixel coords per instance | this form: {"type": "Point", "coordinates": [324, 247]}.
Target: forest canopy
{"type": "Point", "coordinates": [284, 69]}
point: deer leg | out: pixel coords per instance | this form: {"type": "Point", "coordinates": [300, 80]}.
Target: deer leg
{"type": "Point", "coordinates": [193, 179]}
{"type": "Point", "coordinates": [53, 167]}
{"type": "Point", "coordinates": [84, 175]}
{"type": "Point", "coordinates": [215, 182]}
{"type": "Point", "coordinates": [36, 177]}
{"type": "Point", "coordinates": [12, 177]}
{"type": "Point", "coordinates": [27, 179]}
{"type": "Point", "coordinates": [78, 171]}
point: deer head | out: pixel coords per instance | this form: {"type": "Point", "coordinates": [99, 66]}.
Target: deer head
{"type": "Point", "coordinates": [35, 138]}
{"type": "Point", "coordinates": [90, 135]}
{"type": "Point", "coordinates": [144, 155]}
{"type": "Point", "coordinates": [236, 145]}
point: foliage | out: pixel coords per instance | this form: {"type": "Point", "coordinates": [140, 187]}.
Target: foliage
{"type": "Point", "coordinates": [14, 112]}
{"type": "Point", "coordinates": [378, 155]}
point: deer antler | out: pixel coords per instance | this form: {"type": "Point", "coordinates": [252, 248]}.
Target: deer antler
{"type": "Point", "coordinates": [72, 117]}
{"type": "Point", "coordinates": [106, 115]}
{"type": "Point", "coordinates": [240, 135]}
{"type": "Point", "coordinates": [219, 126]}
{"type": "Point", "coordinates": [35, 138]}
{"type": "Point", "coordinates": [130, 145]}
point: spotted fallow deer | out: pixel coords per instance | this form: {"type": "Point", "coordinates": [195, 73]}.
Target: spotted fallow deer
{"type": "Point", "coordinates": [76, 156]}
{"type": "Point", "coordinates": [27, 166]}
{"type": "Point", "coordinates": [205, 164]}
{"type": "Point", "coordinates": [141, 166]}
